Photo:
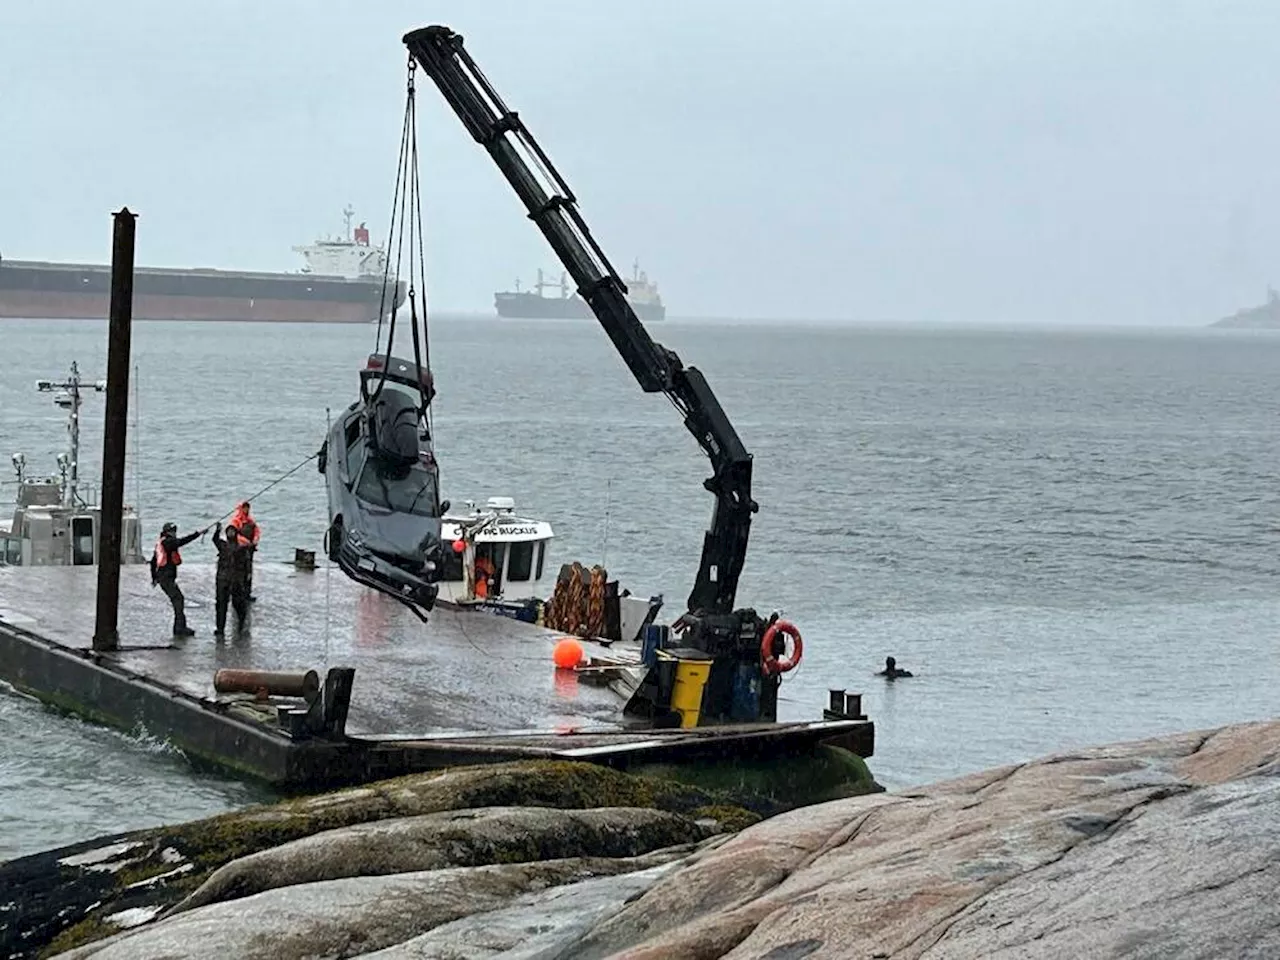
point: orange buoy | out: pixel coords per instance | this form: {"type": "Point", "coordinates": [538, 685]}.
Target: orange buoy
{"type": "Point", "coordinates": [568, 653]}
{"type": "Point", "coordinates": [459, 546]}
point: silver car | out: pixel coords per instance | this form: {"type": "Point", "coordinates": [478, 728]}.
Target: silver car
{"type": "Point", "coordinates": [383, 485]}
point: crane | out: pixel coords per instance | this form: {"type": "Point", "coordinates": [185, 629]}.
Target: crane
{"type": "Point", "coordinates": [553, 207]}
{"type": "Point", "coordinates": [711, 622]}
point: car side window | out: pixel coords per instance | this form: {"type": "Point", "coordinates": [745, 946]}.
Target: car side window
{"type": "Point", "coordinates": [354, 448]}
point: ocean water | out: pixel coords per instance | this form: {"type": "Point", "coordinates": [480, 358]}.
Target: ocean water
{"type": "Point", "coordinates": [1069, 536]}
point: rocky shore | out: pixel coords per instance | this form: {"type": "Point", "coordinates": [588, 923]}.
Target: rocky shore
{"type": "Point", "coordinates": [1164, 848]}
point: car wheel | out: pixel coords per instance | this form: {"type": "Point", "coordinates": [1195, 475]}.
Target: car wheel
{"type": "Point", "coordinates": [333, 538]}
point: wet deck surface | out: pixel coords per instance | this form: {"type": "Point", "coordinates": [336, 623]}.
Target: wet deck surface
{"type": "Point", "coordinates": [462, 671]}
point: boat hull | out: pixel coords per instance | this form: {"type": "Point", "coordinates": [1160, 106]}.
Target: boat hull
{"type": "Point", "coordinates": [36, 290]}
{"type": "Point", "coordinates": [530, 306]}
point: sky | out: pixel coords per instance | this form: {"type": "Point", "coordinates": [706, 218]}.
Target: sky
{"type": "Point", "coordinates": [1063, 161]}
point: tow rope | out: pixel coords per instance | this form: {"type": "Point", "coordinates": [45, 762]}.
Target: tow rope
{"type": "Point", "coordinates": [280, 479]}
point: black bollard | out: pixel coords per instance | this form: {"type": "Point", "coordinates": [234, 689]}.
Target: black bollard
{"type": "Point", "coordinates": [105, 633]}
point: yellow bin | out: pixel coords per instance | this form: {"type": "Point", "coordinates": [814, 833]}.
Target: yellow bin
{"type": "Point", "coordinates": [692, 670]}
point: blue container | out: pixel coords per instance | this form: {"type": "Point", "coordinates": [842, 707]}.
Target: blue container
{"type": "Point", "coordinates": [655, 639]}
{"type": "Point", "coordinates": [745, 706]}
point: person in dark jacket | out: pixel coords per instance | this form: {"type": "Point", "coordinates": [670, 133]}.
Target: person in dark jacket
{"type": "Point", "coordinates": [165, 561]}
{"type": "Point", "coordinates": [232, 579]}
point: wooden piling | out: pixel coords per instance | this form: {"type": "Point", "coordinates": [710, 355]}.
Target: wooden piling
{"type": "Point", "coordinates": [115, 426]}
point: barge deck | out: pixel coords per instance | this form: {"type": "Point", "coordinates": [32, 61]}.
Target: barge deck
{"type": "Point", "coordinates": [467, 687]}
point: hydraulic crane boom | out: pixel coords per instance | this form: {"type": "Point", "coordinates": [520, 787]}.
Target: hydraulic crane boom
{"type": "Point", "coordinates": [553, 207]}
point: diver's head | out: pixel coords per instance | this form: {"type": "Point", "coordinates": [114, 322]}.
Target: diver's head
{"type": "Point", "coordinates": [890, 664]}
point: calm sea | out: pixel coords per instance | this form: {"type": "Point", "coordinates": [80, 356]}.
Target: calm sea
{"type": "Point", "coordinates": [1069, 536]}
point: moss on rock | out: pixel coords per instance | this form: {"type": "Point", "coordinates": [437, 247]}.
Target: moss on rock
{"type": "Point", "coordinates": [166, 864]}
{"type": "Point", "coordinates": [767, 786]}
{"type": "Point", "coordinates": [730, 818]}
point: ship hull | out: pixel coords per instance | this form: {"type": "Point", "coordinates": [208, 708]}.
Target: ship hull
{"type": "Point", "coordinates": [530, 306]}
{"type": "Point", "coordinates": [36, 290]}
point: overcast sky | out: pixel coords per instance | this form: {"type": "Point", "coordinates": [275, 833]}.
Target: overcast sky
{"type": "Point", "coordinates": [1105, 161]}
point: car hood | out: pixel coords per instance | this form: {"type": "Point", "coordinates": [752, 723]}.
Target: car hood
{"type": "Point", "coordinates": [397, 534]}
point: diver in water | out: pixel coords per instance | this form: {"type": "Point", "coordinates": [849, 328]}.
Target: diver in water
{"type": "Point", "coordinates": [891, 670]}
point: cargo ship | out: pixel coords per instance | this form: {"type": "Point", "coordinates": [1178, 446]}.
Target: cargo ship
{"type": "Point", "coordinates": [341, 282]}
{"type": "Point", "coordinates": [1265, 316]}
{"type": "Point", "coordinates": [533, 305]}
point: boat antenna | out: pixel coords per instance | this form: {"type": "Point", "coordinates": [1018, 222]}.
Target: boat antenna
{"type": "Point", "coordinates": [71, 468]}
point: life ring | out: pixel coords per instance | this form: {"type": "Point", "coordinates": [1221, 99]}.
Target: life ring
{"type": "Point", "coordinates": [776, 665]}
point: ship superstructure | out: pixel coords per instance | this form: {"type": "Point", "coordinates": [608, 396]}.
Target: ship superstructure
{"type": "Point", "coordinates": [535, 304]}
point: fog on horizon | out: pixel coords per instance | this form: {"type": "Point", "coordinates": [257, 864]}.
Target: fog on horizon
{"type": "Point", "coordinates": [992, 161]}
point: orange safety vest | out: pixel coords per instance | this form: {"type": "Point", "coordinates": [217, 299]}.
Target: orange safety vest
{"type": "Point", "coordinates": [484, 570]}
{"type": "Point", "coordinates": [247, 526]}
{"type": "Point", "coordinates": [164, 558]}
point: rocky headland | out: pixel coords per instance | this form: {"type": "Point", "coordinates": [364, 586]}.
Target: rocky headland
{"type": "Point", "coordinates": [1166, 848]}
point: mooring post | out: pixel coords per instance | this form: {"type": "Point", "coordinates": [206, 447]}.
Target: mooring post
{"type": "Point", "coordinates": [115, 424]}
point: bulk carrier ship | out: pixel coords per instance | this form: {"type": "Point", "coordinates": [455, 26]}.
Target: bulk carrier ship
{"type": "Point", "coordinates": [342, 282]}
{"type": "Point", "coordinates": [642, 294]}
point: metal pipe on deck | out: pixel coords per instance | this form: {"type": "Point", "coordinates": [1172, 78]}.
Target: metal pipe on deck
{"type": "Point", "coordinates": [277, 684]}
{"type": "Point", "coordinates": [115, 426]}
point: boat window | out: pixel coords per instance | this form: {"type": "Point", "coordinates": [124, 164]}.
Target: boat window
{"type": "Point", "coordinates": [542, 552]}
{"type": "Point", "coordinates": [12, 551]}
{"type": "Point", "coordinates": [402, 489]}
{"type": "Point", "coordinates": [82, 541]}
{"type": "Point", "coordinates": [493, 555]}
{"type": "Point", "coordinates": [520, 561]}
{"type": "Point", "coordinates": [451, 568]}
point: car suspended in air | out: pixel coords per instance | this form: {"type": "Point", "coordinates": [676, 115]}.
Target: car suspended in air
{"type": "Point", "coordinates": [383, 485]}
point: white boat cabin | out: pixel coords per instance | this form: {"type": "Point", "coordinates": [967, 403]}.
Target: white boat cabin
{"type": "Point", "coordinates": [509, 551]}
{"type": "Point", "coordinates": [54, 522]}
{"type": "Point", "coordinates": [47, 530]}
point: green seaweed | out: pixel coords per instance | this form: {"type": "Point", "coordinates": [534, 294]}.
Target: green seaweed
{"type": "Point", "coordinates": [78, 934]}
{"type": "Point", "coordinates": [731, 818]}
{"type": "Point", "coordinates": [771, 785]}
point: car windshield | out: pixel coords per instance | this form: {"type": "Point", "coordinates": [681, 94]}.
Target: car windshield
{"type": "Point", "coordinates": [400, 489]}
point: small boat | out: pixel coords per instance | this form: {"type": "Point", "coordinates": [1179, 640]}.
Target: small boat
{"type": "Point", "coordinates": [383, 485]}
{"type": "Point", "coordinates": [57, 520]}
{"type": "Point", "coordinates": [520, 580]}
{"type": "Point", "coordinates": [510, 550]}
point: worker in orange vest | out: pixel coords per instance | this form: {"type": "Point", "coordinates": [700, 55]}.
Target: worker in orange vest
{"type": "Point", "coordinates": [484, 575]}
{"type": "Point", "coordinates": [250, 532]}
{"type": "Point", "coordinates": [164, 573]}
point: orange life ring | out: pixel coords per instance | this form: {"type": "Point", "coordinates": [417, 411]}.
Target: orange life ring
{"type": "Point", "coordinates": [775, 665]}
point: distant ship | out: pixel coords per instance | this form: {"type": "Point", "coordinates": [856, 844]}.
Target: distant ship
{"type": "Point", "coordinates": [1264, 317]}
{"type": "Point", "coordinates": [531, 304]}
{"type": "Point", "coordinates": [341, 283]}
